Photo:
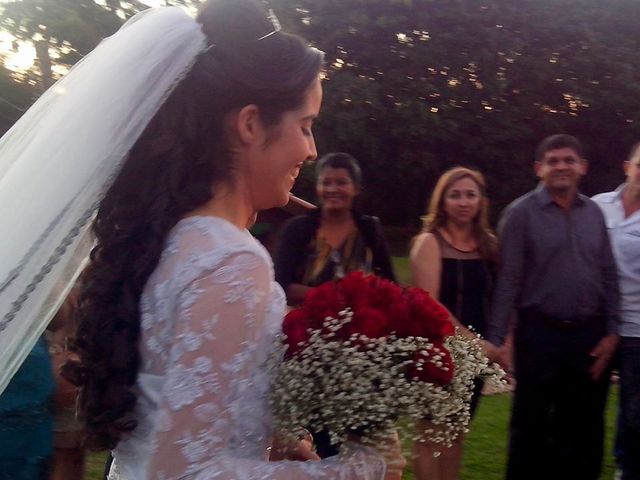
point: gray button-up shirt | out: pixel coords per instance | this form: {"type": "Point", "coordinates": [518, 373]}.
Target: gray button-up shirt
{"type": "Point", "coordinates": [554, 260]}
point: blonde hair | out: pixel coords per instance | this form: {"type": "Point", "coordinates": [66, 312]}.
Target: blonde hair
{"type": "Point", "coordinates": [436, 216]}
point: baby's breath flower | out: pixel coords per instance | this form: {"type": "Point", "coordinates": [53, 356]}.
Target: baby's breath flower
{"type": "Point", "coordinates": [361, 385]}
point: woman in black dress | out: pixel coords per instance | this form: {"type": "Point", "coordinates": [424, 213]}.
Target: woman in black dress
{"type": "Point", "coordinates": [454, 258]}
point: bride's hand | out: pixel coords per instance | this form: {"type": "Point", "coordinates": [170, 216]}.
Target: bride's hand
{"type": "Point", "coordinates": [286, 449]}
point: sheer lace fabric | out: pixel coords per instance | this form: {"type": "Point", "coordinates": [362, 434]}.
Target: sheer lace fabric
{"type": "Point", "coordinates": [210, 312]}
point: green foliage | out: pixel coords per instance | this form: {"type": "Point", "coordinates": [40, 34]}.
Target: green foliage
{"type": "Point", "coordinates": [402, 270]}
{"type": "Point", "coordinates": [416, 87]}
{"type": "Point", "coordinates": [64, 30]}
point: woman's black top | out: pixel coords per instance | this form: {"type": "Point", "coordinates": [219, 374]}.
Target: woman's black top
{"type": "Point", "coordinates": [301, 257]}
{"type": "Point", "coordinates": [466, 283]}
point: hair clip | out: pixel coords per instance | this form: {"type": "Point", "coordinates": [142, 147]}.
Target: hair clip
{"type": "Point", "coordinates": [275, 22]}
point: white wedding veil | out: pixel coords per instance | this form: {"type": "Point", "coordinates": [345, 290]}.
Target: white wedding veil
{"type": "Point", "coordinates": [60, 157]}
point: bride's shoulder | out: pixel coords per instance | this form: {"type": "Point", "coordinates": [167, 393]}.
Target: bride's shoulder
{"type": "Point", "coordinates": [206, 232]}
{"type": "Point", "coordinates": [197, 245]}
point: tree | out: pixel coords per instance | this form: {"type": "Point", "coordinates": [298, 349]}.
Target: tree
{"type": "Point", "coordinates": [63, 31]}
{"type": "Point", "coordinates": [15, 98]}
{"type": "Point", "coordinates": [415, 87]}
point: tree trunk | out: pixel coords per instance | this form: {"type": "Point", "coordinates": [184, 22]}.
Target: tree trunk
{"type": "Point", "coordinates": [44, 63]}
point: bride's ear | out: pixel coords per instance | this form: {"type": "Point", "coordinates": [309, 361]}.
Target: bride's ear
{"type": "Point", "coordinates": [248, 127]}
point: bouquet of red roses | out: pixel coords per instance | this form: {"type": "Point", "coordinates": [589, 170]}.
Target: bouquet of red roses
{"type": "Point", "coordinates": [362, 352]}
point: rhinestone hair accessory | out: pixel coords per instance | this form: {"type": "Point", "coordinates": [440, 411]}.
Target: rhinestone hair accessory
{"type": "Point", "coordinates": [276, 25]}
{"type": "Point", "coordinates": [276, 28]}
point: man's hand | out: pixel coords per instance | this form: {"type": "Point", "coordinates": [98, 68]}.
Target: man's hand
{"type": "Point", "coordinates": [500, 355]}
{"type": "Point", "coordinates": [505, 359]}
{"type": "Point", "coordinates": [490, 350]}
{"type": "Point", "coordinates": [602, 354]}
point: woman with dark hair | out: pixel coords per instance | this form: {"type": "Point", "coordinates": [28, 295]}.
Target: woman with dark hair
{"type": "Point", "coordinates": [454, 258]}
{"type": "Point", "coordinates": [329, 242]}
{"type": "Point", "coordinates": [333, 240]}
{"type": "Point", "coordinates": [179, 309]}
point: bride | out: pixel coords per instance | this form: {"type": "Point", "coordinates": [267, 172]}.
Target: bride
{"type": "Point", "coordinates": [210, 122]}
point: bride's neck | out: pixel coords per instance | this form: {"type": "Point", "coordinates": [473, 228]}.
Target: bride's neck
{"type": "Point", "coordinates": [230, 204]}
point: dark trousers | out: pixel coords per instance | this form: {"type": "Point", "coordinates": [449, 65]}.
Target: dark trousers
{"type": "Point", "coordinates": [557, 425]}
{"type": "Point", "coordinates": [323, 445]}
{"type": "Point", "coordinates": [629, 420]}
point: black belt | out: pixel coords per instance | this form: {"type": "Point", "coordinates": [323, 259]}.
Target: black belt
{"type": "Point", "coordinates": [561, 323]}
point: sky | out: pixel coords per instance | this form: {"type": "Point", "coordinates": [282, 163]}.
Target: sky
{"type": "Point", "coordinates": [23, 58]}
{"type": "Point", "coordinates": [16, 60]}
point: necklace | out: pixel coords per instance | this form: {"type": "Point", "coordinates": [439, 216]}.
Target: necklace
{"type": "Point", "coordinates": [464, 249]}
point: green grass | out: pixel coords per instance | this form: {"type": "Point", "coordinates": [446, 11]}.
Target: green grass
{"type": "Point", "coordinates": [485, 445]}
{"type": "Point", "coordinates": [95, 466]}
{"type": "Point", "coordinates": [401, 268]}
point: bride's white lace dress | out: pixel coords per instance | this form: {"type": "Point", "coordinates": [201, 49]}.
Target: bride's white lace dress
{"type": "Point", "coordinates": [210, 312]}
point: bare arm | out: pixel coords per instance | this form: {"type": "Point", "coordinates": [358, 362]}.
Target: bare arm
{"type": "Point", "coordinates": [426, 268]}
{"type": "Point", "coordinates": [426, 263]}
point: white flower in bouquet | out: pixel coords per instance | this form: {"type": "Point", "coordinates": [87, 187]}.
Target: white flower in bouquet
{"type": "Point", "coordinates": [362, 353]}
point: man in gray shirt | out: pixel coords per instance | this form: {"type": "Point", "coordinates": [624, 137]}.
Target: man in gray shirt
{"type": "Point", "coordinates": [557, 271]}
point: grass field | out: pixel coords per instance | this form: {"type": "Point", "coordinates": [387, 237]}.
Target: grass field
{"type": "Point", "coordinates": [485, 445]}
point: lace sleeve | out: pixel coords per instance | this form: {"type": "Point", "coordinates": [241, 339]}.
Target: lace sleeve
{"type": "Point", "coordinates": [216, 351]}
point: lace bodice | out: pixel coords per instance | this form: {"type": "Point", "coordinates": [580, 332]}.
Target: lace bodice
{"type": "Point", "coordinates": [209, 314]}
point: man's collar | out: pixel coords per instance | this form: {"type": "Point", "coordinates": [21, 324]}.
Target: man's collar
{"type": "Point", "coordinates": [543, 197]}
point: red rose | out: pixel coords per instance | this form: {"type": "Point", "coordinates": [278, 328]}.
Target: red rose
{"type": "Point", "coordinates": [424, 369]}
{"type": "Point", "coordinates": [386, 294]}
{"type": "Point", "coordinates": [399, 317]}
{"type": "Point", "coordinates": [429, 318]}
{"type": "Point", "coordinates": [355, 290]}
{"type": "Point", "coordinates": [370, 322]}
{"type": "Point", "coordinates": [321, 302]}
{"type": "Point", "coordinates": [370, 299]}
{"type": "Point", "coordinates": [295, 327]}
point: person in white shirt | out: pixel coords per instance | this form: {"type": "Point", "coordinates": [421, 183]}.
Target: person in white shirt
{"type": "Point", "coordinates": [621, 209]}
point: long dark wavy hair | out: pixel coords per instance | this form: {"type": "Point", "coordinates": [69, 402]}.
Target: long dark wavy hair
{"type": "Point", "coordinates": [172, 169]}
{"type": "Point", "coordinates": [437, 216]}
